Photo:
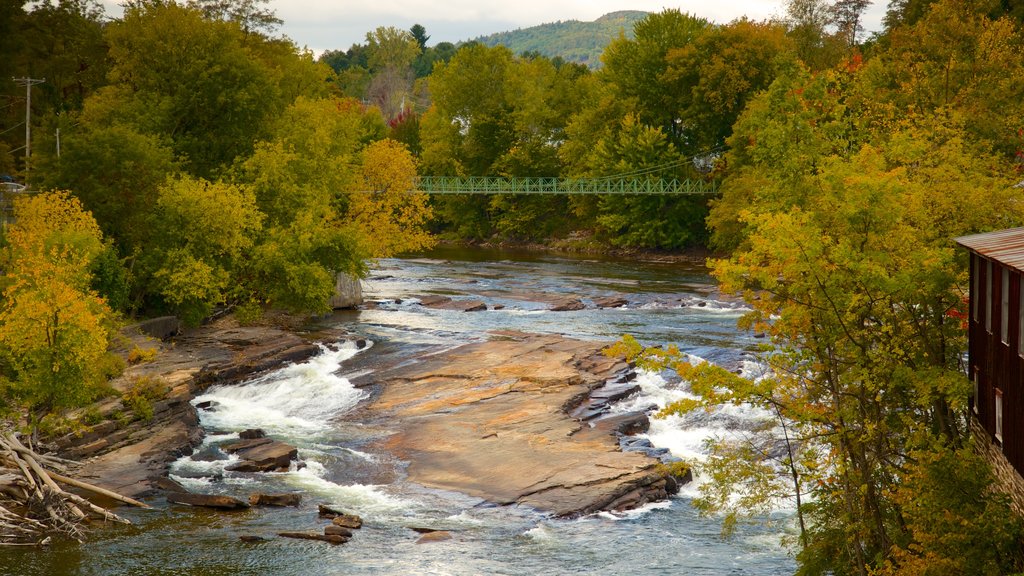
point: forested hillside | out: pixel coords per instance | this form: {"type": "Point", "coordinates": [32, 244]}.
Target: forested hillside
{"type": "Point", "coordinates": [570, 40]}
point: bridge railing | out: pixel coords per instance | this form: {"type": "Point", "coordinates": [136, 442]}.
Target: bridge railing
{"type": "Point", "coordinates": [495, 185]}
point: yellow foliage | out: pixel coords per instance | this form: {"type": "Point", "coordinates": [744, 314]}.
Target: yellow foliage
{"type": "Point", "coordinates": [53, 328]}
{"type": "Point", "coordinates": [392, 216]}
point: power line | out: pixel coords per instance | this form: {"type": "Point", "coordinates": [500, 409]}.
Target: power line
{"type": "Point", "coordinates": [18, 125]}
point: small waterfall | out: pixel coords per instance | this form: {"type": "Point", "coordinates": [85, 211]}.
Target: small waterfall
{"type": "Point", "coordinates": [295, 402]}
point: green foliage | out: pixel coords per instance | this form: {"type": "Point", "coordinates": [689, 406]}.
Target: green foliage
{"type": "Point", "coordinates": [636, 67]}
{"type": "Point", "coordinates": [248, 312]}
{"type": "Point", "coordinates": [140, 395]}
{"type": "Point", "coordinates": [959, 526]}
{"type": "Point", "coordinates": [115, 171]}
{"type": "Point", "coordinates": [203, 233]}
{"type": "Point", "coordinates": [718, 73]}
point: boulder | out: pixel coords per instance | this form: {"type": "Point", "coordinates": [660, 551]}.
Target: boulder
{"type": "Point", "coordinates": [260, 499]}
{"type": "Point", "coordinates": [629, 423]}
{"type": "Point", "coordinates": [335, 530]}
{"type": "Point", "coordinates": [464, 305]}
{"type": "Point", "coordinates": [348, 292]}
{"type": "Point", "coordinates": [333, 539]}
{"type": "Point", "coordinates": [435, 536]}
{"type": "Point", "coordinates": [252, 434]}
{"type": "Point", "coordinates": [243, 445]}
{"type": "Point", "coordinates": [267, 456]}
{"type": "Point", "coordinates": [567, 305]}
{"type": "Point", "coordinates": [167, 485]}
{"type": "Point", "coordinates": [326, 511]}
{"type": "Point", "coordinates": [208, 405]}
{"type": "Point", "coordinates": [610, 302]}
{"type": "Point", "coordinates": [433, 300]}
{"type": "Point", "coordinates": [349, 521]}
{"type": "Point", "coordinates": [206, 500]}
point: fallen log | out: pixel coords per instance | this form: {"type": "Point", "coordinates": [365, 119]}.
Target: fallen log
{"type": "Point", "coordinates": [33, 505]}
{"type": "Point", "coordinates": [97, 490]}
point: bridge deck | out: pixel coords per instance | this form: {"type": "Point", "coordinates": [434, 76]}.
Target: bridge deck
{"type": "Point", "coordinates": [494, 185]}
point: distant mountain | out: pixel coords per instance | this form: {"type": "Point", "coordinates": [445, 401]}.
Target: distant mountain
{"type": "Point", "coordinates": [573, 40]}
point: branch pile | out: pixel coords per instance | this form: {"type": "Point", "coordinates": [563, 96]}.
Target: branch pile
{"type": "Point", "coordinates": [33, 506]}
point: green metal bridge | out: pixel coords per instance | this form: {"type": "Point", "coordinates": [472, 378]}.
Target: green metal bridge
{"type": "Point", "coordinates": [494, 185]}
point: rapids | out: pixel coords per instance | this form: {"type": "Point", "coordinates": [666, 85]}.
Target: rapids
{"type": "Point", "coordinates": [315, 406]}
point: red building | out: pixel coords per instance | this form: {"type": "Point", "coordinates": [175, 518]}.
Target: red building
{"type": "Point", "coordinates": [996, 332]}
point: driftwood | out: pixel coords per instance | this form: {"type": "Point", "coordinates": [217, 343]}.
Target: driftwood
{"type": "Point", "coordinates": [33, 506]}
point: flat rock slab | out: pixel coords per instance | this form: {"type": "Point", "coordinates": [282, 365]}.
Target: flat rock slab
{"type": "Point", "coordinates": [490, 420]}
{"type": "Point", "coordinates": [610, 302]}
{"type": "Point", "coordinates": [332, 538]}
{"type": "Point", "coordinates": [265, 456]}
{"type": "Point", "coordinates": [206, 500]}
{"type": "Point", "coordinates": [446, 303]}
{"type": "Point", "coordinates": [260, 499]}
{"type": "Point", "coordinates": [568, 305]}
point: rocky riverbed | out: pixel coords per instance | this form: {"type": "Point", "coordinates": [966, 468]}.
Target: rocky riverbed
{"type": "Point", "coordinates": [128, 453]}
{"type": "Point", "coordinates": [489, 419]}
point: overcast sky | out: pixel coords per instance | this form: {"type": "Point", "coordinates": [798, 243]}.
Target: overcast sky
{"type": "Point", "coordinates": [337, 24]}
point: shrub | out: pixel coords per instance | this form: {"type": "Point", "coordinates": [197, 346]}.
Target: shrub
{"type": "Point", "coordinates": [140, 395]}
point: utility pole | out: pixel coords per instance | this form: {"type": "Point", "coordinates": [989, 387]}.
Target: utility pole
{"type": "Point", "coordinates": [28, 83]}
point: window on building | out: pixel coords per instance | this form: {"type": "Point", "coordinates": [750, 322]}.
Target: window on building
{"type": "Point", "coordinates": [1004, 299]}
{"type": "Point", "coordinates": [975, 398]}
{"type": "Point", "coordinates": [988, 296]}
{"type": "Point", "coordinates": [999, 414]}
{"type": "Point", "coordinates": [1020, 320]}
{"type": "Point", "coordinates": [975, 286]}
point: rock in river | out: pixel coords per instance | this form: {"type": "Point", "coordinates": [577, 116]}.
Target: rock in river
{"type": "Point", "coordinates": [261, 455]}
{"type": "Point", "coordinates": [206, 500]}
{"type": "Point", "coordinates": [490, 420]}
{"type": "Point", "coordinates": [260, 499]}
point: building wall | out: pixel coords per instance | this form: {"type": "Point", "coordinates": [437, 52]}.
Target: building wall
{"type": "Point", "coordinates": [1007, 479]}
{"type": "Point", "coordinates": [996, 362]}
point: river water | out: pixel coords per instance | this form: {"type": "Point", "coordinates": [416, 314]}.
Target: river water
{"type": "Point", "coordinates": [315, 406]}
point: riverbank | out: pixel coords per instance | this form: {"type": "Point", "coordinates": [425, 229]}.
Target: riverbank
{"type": "Point", "coordinates": [128, 445]}
{"type": "Point", "coordinates": [576, 245]}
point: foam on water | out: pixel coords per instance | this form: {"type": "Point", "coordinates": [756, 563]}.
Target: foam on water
{"type": "Point", "coordinates": [635, 512]}
{"type": "Point", "coordinates": [369, 501]}
{"type": "Point", "coordinates": [297, 400]}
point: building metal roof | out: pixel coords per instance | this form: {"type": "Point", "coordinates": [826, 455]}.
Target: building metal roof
{"type": "Point", "coordinates": [1003, 246]}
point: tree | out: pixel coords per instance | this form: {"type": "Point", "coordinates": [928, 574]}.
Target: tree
{"type": "Point", "coordinates": [334, 193]}
{"type": "Point", "coordinates": [718, 73]}
{"type": "Point", "coordinates": [246, 13]}
{"type": "Point", "coordinates": [54, 329]}
{"type": "Point", "coordinates": [115, 172]}
{"type": "Point", "coordinates": [204, 231]}
{"type": "Point", "coordinates": [845, 258]}
{"type": "Point", "coordinates": [205, 85]}
{"type": "Point", "coordinates": [420, 34]}
{"type": "Point", "coordinates": [846, 15]}
{"type": "Point", "coordinates": [636, 67]}
{"type": "Point", "coordinates": [391, 55]}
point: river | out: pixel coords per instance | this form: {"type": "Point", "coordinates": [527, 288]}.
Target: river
{"type": "Point", "coordinates": [314, 406]}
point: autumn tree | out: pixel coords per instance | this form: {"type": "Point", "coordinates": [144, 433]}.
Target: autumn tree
{"type": "Point", "coordinates": [54, 329]}
{"type": "Point", "coordinates": [334, 194]}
